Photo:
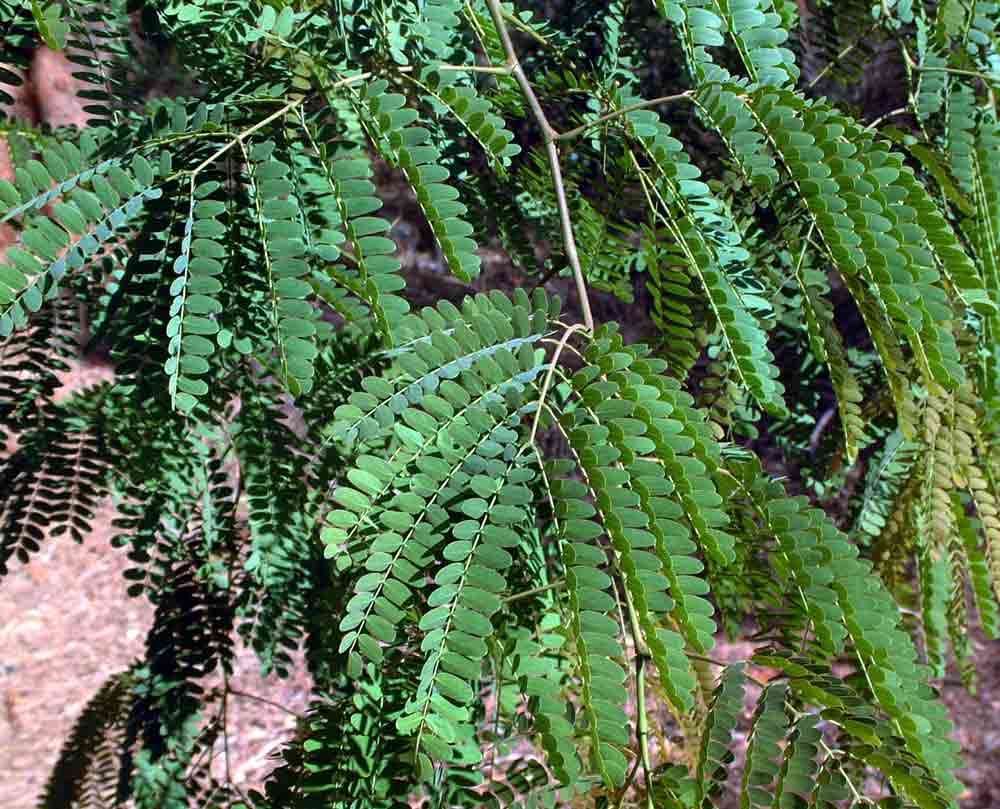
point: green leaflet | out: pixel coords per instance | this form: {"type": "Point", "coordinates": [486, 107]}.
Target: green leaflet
{"type": "Point", "coordinates": [712, 248]}
{"type": "Point", "coordinates": [284, 252]}
{"type": "Point", "coordinates": [800, 533]}
{"type": "Point", "coordinates": [452, 434]}
{"type": "Point", "coordinates": [770, 724]}
{"type": "Point", "coordinates": [883, 650]}
{"type": "Point", "coordinates": [884, 482]}
{"type": "Point", "coordinates": [693, 477]}
{"type": "Point", "coordinates": [407, 146]}
{"type": "Point", "coordinates": [759, 35]}
{"type": "Point", "coordinates": [276, 613]}
{"type": "Point", "coordinates": [873, 743]}
{"type": "Point", "coordinates": [97, 204]}
{"type": "Point", "coordinates": [529, 781]}
{"type": "Point", "coordinates": [932, 84]}
{"type": "Point", "coordinates": [411, 523]}
{"type": "Point", "coordinates": [889, 347]}
{"type": "Point", "coordinates": [757, 30]}
{"type": "Point", "coordinates": [723, 714]}
{"type": "Point", "coordinates": [437, 26]}
{"type": "Point", "coordinates": [605, 257]}
{"type": "Point", "coordinates": [437, 347]}
{"type": "Point", "coordinates": [976, 157]}
{"type": "Point", "coordinates": [54, 483]}
{"type": "Point", "coordinates": [536, 665]}
{"type": "Point", "coordinates": [103, 91]}
{"type": "Point", "coordinates": [475, 113]}
{"type": "Point", "coordinates": [62, 167]}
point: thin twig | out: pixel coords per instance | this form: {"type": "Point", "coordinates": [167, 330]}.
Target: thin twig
{"type": "Point", "coordinates": [548, 377]}
{"type": "Point", "coordinates": [549, 275]}
{"type": "Point", "coordinates": [550, 136]}
{"type": "Point", "coordinates": [858, 797]}
{"type": "Point", "coordinates": [499, 71]}
{"type": "Point", "coordinates": [527, 30]}
{"type": "Point", "coordinates": [714, 662]}
{"type": "Point", "coordinates": [628, 783]}
{"type": "Point", "coordinates": [233, 692]}
{"type": "Point", "coordinates": [642, 726]}
{"type": "Point", "coordinates": [291, 105]}
{"type": "Point", "coordinates": [497, 675]}
{"type": "Point", "coordinates": [704, 659]}
{"type": "Point", "coordinates": [832, 63]}
{"type": "Point", "coordinates": [912, 65]}
{"type": "Point", "coordinates": [641, 105]}
{"type": "Point", "coordinates": [892, 114]}
{"type": "Point", "coordinates": [954, 70]}
{"type": "Point", "coordinates": [534, 591]}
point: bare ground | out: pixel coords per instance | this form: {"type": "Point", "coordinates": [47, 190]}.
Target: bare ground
{"type": "Point", "coordinates": [66, 625]}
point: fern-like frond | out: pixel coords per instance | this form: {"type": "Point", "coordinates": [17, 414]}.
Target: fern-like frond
{"type": "Point", "coordinates": [280, 221]}
{"type": "Point", "coordinates": [96, 201]}
{"type": "Point", "coordinates": [828, 347]}
{"type": "Point", "coordinates": [408, 147]}
{"type": "Point", "coordinates": [281, 560]}
{"type": "Point", "coordinates": [194, 295]}
{"type": "Point", "coordinates": [30, 363]}
{"type": "Point", "coordinates": [341, 202]}
{"type": "Point", "coordinates": [770, 725]}
{"type": "Point", "coordinates": [797, 776]}
{"type": "Point", "coordinates": [85, 776]}
{"type": "Point", "coordinates": [979, 575]}
{"type": "Point", "coordinates": [758, 33]}
{"type": "Point", "coordinates": [712, 247]}
{"type": "Point", "coordinates": [847, 182]}
{"type": "Point", "coordinates": [888, 473]}
{"type": "Point", "coordinates": [723, 715]}
{"type": "Point", "coordinates": [52, 484]}
{"type": "Point", "coordinates": [96, 42]}
{"type": "Point", "coordinates": [700, 26]}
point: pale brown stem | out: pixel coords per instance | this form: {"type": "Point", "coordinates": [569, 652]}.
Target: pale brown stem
{"type": "Point", "coordinates": [641, 105]}
{"type": "Point", "coordinates": [550, 136]}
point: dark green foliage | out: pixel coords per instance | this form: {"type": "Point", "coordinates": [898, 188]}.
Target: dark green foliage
{"type": "Point", "coordinates": [53, 482]}
{"type": "Point", "coordinates": [505, 536]}
{"type": "Point", "coordinates": [86, 773]}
